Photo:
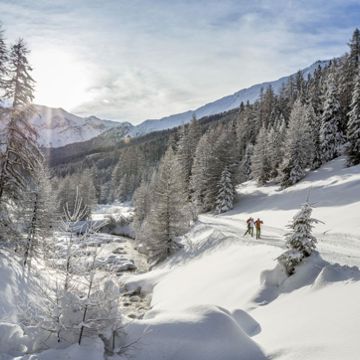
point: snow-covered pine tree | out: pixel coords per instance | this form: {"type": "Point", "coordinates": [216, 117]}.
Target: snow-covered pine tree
{"type": "Point", "coordinates": [87, 191]}
{"type": "Point", "coordinates": [200, 170]}
{"type": "Point", "coordinates": [189, 137]}
{"type": "Point", "coordinates": [331, 136]}
{"type": "Point", "coordinates": [38, 211]}
{"type": "Point", "coordinates": [142, 204]}
{"type": "Point", "coordinates": [348, 71]}
{"type": "Point", "coordinates": [219, 152]}
{"type": "Point", "coordinates": [244, 171]}
{"type": "Point", "coordinates": [276, 139]}
{"type": "Point", "coordinates": [296, 146]}
{"type": "Point", "coordinates": [168, 216]}
{"type": "Point", "coordinates": [314, 131]}
{"type": "Point", "coordinates": [226, 192]}
{"type": "Point", "coordinates": [299, 241]}
{"type": "Point", "coordinates": [260, 162]}
{"type": "Point", "coordinates": [3, 59]}
{"type": "Point", "coordinates": [353, 130]}
{"type": "Point", "coordinates": [21, 155]}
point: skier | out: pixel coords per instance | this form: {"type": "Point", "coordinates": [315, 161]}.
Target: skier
{"type": "Point", "coordinates": [250, 227]}
{"type": "Point", "coordinates": [258, 224]}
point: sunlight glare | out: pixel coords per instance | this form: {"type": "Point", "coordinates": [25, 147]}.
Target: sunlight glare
{"type": "Point", "coordinates": [62, 79]}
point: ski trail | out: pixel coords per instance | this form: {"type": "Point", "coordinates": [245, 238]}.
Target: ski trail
{"type": "Point", "coordinates": [339, 248]}
{"type": "Point", "coordinates": [234, 227]}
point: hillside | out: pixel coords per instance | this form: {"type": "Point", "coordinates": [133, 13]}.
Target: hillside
{"type": "Point", "coordinates": [227, 287]}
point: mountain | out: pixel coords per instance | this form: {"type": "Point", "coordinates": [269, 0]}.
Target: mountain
{"type": "Point", "coordinates": [226, 103]}
{"type": "Point", "coordinates": [57, 127]}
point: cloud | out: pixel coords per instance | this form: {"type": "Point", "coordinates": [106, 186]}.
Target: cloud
{"type": "Point", "coordinates": [134, 60]}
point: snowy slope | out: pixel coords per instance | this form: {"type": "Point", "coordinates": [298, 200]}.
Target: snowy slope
{"type": "Point", "coordinates": [313, 315]}
{"type": "Point", "coordinates": [58, 127]}
{"type": "Point", "coordinates": [224, 104]}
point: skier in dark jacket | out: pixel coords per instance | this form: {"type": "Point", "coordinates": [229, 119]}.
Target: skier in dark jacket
{"type": "Point", "coordinates": [250, 227]}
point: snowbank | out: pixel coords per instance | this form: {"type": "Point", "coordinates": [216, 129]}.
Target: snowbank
{"type": "Point", "coordinates": [197, 333]}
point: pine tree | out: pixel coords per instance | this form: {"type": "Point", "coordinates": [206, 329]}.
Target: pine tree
{"type": "Point", "coordinates": [142, 204]}
{"type": "Point", "coordinates": [168, 216]}
{"type": "Point", "coordinates": [348, 74]}
{"type": "Point", "coordinates": [226, 192]}
{"type": "Point", "coordinates": [38, 210]}
{"type": "Point", "coordinates": [313, 123]}
{"type": "Point", "coordinates": [244, 171]}
{"type": "Point", "coordinates": [3, 59]}
{"type": "Point", "coordinates": [260, 162]}
{"type": "Point", "coordinates": [186, 148]}
{"type": "Point", "coordinates": [296, 147]}
{"type": "Point", "coordinates": [331, 137]}
{"type": "Point", "coordinates": [200, 179]}
{"type": "Point", "coordinates": [275, 145]}
{"type": "Point", "coordinates": [300, 241]}
{"type": "Point", "coordinates": [353, 131]}
{"type": "Point", "coordinates": [19, 156]}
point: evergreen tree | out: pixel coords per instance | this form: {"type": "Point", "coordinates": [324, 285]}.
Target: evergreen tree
{"type": "Point", "coordinates": [168, 216]}
{"type": "Point", "coordinates": [226, 192]}
{"type": "Point", "coordinates": [186, 148]}
{"type": "Point", "coordinates": [38, 211]}
{"type": "Point", "coordinates": [296, 147]}
{"type": "Point", "coordinates": [142, 204]}
{"type": "Point", "coordinates": [260, 162]}
{"type": "Point", "coordinates": [314, 124]}
{"type": "Point", "coordinates": [200, 178]}
{"type": "Point", "coordinates": [300, 241]}
{"type": "Point", "coordinates": [348, 74]}
{"type": "Point", "coordinates": [275, 145]}
{"type": "Point", "coordinates": [353, 131]}
{"type": "Point", "coordinates": [19, 154]}
{"type": "Point", "coordinates": [331, 136]}
{"type": "Point", "coordinates": [244, 171]}
{"type": "Point", "coordinates": [3, 59]}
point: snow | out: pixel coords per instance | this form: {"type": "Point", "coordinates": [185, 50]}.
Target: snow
{"type": "Point", "coordinates": [57, 127]}
{"type": "Point", "coordinates": [223, 295]}
{"type": "Point", "coordinates": [204, 332]}
{"type": "Point", "coordinates": [92, 349]}
{"type": "Point", "coordinates": [314, 314]}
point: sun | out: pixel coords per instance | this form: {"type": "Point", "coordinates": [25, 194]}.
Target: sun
{"type": "Point", "coordinates": [62, 78]}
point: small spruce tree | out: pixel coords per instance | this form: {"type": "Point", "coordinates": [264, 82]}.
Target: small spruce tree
{"type": "Point", "coordinates": [226, 192]}
{"type": "Point", "coordinates": [299, 241]}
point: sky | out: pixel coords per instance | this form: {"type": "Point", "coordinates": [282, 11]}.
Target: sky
{"type": "Point", "coordinates": [132, 60]}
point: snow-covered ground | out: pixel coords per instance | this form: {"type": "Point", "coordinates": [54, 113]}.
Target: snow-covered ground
{"type": "Point", "coordinates": [224, 297]}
